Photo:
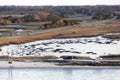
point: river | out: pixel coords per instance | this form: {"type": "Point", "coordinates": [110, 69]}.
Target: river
{"type": "Point", "coordinates": [61, 74]}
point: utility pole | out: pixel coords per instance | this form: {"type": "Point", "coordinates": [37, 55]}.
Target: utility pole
{"type": "Point", "coordinates": [10, 74]}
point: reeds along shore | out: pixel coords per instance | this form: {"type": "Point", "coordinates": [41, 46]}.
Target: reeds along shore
{"type": "Point", "coordinates": [83, 61]}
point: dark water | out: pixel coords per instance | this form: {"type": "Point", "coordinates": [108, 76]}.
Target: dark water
{"type": "Point", "coordinates": [60, 74]}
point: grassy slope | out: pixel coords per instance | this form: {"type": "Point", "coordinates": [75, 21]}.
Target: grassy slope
{"type": "Point", "coordinates": [66, 33]}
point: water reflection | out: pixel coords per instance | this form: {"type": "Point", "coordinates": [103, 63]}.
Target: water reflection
{"type": "Point", "coordinates": [61, 74]}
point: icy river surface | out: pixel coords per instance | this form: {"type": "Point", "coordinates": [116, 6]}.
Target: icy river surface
{"type": "Point", "coordinates": [60, 74]}
{"type": "Point", "coordinates": [87, 46]}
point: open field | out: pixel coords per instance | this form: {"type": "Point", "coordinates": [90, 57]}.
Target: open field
{"type": "Point", "coordinates": [20, 29]}
{"type": "Point", "coordinates": [79, 31]}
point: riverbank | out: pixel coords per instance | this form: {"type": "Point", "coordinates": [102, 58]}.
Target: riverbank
{"type": "Point", "coordinates": [4, 64]}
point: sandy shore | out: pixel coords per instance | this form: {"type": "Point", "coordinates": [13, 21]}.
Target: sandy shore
{"type": "Point", "coordinates": [4, 64]}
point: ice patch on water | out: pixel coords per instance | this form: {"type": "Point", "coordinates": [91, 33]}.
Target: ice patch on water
{"type": "Point", "coordinates": [87, 46]}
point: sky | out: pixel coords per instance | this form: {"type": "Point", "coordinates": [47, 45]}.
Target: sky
{"type": "Point", "coordinates": [58, 2]}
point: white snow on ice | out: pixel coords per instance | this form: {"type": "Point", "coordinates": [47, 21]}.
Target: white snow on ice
{"type": "Point", "coordinates": [88, 46]}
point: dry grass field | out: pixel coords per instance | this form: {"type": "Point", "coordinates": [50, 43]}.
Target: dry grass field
{"type": "Point", "coordinates": [66, 33]}
{"type": "Point", "coordinates": [24, 58]}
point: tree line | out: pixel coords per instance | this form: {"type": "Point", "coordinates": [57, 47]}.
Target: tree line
{"type": "Point", "coordinates": [52, 13]}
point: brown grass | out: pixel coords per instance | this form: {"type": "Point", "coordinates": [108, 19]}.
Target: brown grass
{"type": "Point", "coordinates": [24, 58]}
{"type": "Point", "coordinates": [66, 33]}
